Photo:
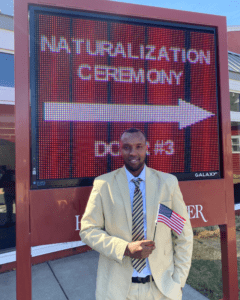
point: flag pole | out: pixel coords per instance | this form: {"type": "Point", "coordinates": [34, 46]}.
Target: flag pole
{"type": "Point", "coordinates": [156, 223]}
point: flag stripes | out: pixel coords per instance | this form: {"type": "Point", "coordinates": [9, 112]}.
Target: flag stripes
{"type": "Point", "coordinates": [170, 218]}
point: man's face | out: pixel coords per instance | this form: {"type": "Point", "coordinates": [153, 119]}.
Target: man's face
{"type": "Point", "coordinates": [133, 149]}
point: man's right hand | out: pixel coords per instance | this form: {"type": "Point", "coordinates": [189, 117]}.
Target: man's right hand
{"type": "Point", "coordinates": [140, 249]}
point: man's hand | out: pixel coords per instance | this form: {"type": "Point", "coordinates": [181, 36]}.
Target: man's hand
{"type": "Point", "coordinates": [140, 249]}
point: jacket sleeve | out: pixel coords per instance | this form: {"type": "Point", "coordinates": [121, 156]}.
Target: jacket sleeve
{"type": "Point", "coordinates": [93, 229]}
{"type": "Point", "coordinates": [183, 243]}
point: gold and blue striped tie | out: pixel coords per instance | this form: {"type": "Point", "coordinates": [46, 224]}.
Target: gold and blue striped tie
{"type": "Point", "coordinates": [137, 223]}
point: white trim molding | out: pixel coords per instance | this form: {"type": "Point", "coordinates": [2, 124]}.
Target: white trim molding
{"type": "Point", "coordinates": [6, 51]}
{"type": "Point", "coordinates": [234, 86]}
{"type": "Point", "coordinates": [9, 257]}
{"type": "Point", "coordinates": [46, 249]}
{"type": "Point", "coordinates": [7, 95]}
{"type": "Point", "coordinates": [235, 116]}
{"type": "Point", "coordinates": [6, 40]}
{"type": "Point", "coordinates": [233, 28]}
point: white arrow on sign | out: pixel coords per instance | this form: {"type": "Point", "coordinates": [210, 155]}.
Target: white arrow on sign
{"type": "Point", "coordinates": [186, 114]}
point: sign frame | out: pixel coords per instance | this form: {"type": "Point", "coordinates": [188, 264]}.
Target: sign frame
{"type": "Point", "coordinates": [212, 195]}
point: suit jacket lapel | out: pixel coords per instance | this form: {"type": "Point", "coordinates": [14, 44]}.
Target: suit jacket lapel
{"type": "Point", "coordinates": [152, 183]}
{"type": "Point", "coordinates": [122, 182]}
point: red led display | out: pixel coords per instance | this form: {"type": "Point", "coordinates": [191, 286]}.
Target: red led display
{"type": "Point", "coordinates": [95, 77]}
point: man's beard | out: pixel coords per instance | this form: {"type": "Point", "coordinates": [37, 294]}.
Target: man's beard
{"type": "Point", "coordinates": [130, 168]}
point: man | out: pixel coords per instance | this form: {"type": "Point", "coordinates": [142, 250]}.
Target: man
{"type": "Point", "coordinates": [119, 222]}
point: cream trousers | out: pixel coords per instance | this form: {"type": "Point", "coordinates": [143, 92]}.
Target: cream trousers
{"type": "Point", "coordinates": [147, 291]}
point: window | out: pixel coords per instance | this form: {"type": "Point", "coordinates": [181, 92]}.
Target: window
{"type": "Point", "coordinates": [236, 144]}
{"type": "Point", "coordinates": [234, 102]}
{"type": "Point", "coordinates": [7, 64]}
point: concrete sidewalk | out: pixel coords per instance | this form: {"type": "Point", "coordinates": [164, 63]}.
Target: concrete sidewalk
{"type": "Point", "coordinates": [72, 278]}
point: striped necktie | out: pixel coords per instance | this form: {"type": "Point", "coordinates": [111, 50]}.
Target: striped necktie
{"type": "Point", "coordinates": [137, 223]}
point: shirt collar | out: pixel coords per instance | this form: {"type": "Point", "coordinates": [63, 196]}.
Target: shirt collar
{"type": "Point", "coordinates": [130, 176]}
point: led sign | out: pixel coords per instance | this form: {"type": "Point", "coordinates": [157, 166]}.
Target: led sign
{"type": "Point", "coordinates": [95, 75]}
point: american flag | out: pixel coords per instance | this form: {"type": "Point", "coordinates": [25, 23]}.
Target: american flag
{"type": "Point", "coordinates": [170, 218]}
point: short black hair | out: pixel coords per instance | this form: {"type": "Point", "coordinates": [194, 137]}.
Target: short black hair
{"type": "Point", "coordinates": [133, 130]}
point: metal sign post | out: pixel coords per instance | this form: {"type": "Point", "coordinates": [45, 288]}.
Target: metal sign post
{"type": "Point", "coordinates": [22, 123]}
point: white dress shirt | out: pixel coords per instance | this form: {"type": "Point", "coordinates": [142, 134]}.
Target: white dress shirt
{"type": "Point", "coordinates": [146, 271]}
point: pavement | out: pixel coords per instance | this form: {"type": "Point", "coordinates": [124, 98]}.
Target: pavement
{"type": "Point", "coordinates": [68, 278]}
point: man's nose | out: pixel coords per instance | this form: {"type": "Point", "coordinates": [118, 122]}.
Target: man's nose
{"type": "Point", "coordinates": [133, 151]}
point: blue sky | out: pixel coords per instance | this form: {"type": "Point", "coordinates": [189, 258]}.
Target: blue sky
{"type": "Point", "coordinates": [228, 8]}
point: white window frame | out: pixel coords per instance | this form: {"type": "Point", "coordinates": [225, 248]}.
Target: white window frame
{"type": "Point", "coordinates": [236, 137]}
{"type": "Point", "coordinates": [234, 87]}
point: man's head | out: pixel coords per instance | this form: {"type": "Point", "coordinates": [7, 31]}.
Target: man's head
{"type": "Point", "coordinates": [133, 149]}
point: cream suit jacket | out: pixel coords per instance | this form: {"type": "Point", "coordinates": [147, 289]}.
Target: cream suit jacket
{"type": "Point", "coordinates": [106, 226]}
